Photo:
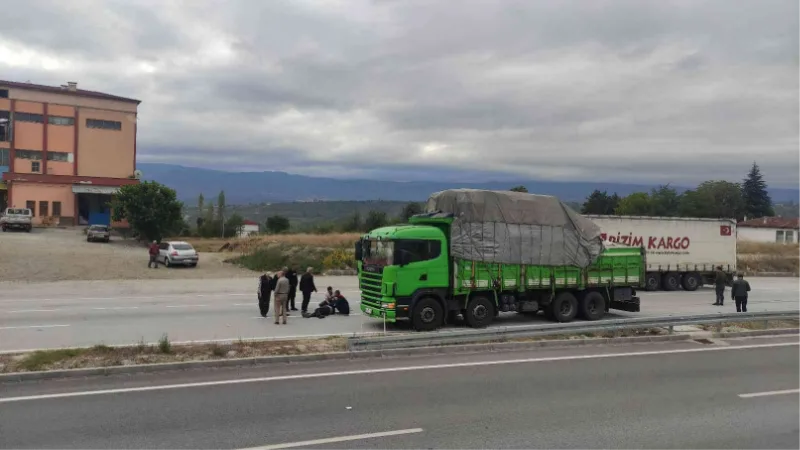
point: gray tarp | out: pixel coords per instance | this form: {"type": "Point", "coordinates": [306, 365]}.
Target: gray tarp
{"type": "Point", "coordinates": [517, 228]}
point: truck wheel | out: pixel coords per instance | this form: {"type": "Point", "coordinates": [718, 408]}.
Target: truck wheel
{"type": "Point", "coordinates": [4, 229]}
{"type": "Point", "coordinates": [652, 281]}
{"type": "Point", "coordinates": [564, 307]}
{"type": "Point", "coordinates": [671, 281]}
{"type": "Point", "coordinates": [428, 315]}
{"type": "Point", "coordinates": [692, 281]}
{"type": "Point", "coordinates": [480, 312]}
{"type": "Point", "coordinates": [592, 306]}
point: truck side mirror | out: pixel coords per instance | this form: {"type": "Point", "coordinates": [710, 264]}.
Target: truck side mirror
{"type": "Point", "coordinates": [359, 250]}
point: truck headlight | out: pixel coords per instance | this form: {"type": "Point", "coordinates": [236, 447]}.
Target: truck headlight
{"type": "Point", "coordinates": [387, 305]}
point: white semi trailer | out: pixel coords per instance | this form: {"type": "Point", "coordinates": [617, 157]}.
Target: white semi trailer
{"type": "Point", "coordinates": [680, 252]}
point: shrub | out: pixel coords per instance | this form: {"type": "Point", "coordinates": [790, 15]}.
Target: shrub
{"type": "Point", "coordinates": [339, 259]}
{"type": "Point", "coordinates": [164, 345]}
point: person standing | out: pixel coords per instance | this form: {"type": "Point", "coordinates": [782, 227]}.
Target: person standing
{"type": "Point", "coordinates": [307, 287]}
{"type": "Point", "coordinates": [281, 297]}
{"type": "Point", "coordinates": [291, 275]}
{"type": "Point", "coordinates": [719, 284]}
{"type": "Point", "coordinates": [739, 292]}
{"type": "Point", "coordinates": [265, 285]}
{"type": "Point", "coordinates": [153, 251]}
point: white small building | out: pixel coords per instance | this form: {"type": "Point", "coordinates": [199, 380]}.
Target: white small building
{"type": "Point", "coordinates": [250, 228]}
{"type": "Point", "coordinates": [769, 229]}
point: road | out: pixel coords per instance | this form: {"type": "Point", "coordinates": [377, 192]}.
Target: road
{"type": "Point", "coordinates": [85, 313]}
{"type": "Point", "coordinates": [736, 393]}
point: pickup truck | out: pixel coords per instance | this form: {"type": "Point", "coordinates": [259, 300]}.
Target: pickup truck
{"type": "Point", "coordinates": [16, 218]}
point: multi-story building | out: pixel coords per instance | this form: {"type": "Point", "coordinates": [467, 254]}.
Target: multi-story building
{"type": "Point", "coordinates": [65, 151]}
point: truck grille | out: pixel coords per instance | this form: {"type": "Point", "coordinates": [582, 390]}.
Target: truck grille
{"type": "Point", "coordinates": [370, 285]}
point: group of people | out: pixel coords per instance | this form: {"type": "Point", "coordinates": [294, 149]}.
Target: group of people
{"type": "Point", "coordinates": [285, 285]}
{"type": "Point", "coordinates": [739, 290]}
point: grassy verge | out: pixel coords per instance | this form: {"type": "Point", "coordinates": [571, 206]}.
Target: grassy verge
{"type": "Point", "coordinates": [331, 240]}
{"type": "Point", "coordinates": [755, 325]}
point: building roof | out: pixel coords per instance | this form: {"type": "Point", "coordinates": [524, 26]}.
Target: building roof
{"type": "Point", "coordinates": [67, 91]}
{"type": "Point", "coordinates": [250, 222]}
{"type": "Point", "coordinates": [772, 222]}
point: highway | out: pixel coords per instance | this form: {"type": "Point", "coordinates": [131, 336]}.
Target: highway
{"type": "Point", "coordinates": [737, 393]}
{"type": "Point", "coordinates": [85, 313]}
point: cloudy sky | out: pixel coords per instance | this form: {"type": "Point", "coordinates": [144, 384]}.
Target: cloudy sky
{"type": "Point", "coordinates": [645, 91]}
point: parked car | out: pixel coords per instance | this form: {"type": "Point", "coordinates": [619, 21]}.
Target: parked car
{"type": "Point", "coordinates": [17, 218]}
{"type": "Point", "coordinates": [177, 253]}
{"type": "Point", "coordinates": [98, 233]}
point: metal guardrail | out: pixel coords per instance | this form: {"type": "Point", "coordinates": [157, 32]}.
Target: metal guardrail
{"type": "Point", "coordinates": [499, 334]}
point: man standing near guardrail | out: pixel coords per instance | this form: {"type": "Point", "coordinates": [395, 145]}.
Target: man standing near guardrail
{"type": "Point", "coordinates": [719, 283]}
{"type": "Point", "coordinates": [281, 297]}
{"type": "Point", "coordinates": [739, 293]}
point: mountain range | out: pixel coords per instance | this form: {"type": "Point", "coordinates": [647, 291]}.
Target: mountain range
{"type": "Point", "coordinates": [271, 187]}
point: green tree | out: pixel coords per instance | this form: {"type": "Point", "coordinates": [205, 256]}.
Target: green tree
{"type": "Point", "coordinates": [636, 204]}
{"type": "Point", "coordinates": [277, 224]}
{"type": "Point", "coordinates": [757, 202]}
{"type": "Point", "coordinates": [152, 209]}
{"type": "Point", "coordinates": [200, 204]}
{"type": "Point", "coordinates": [353, 223]}
{"type": "Point", "coordinates": [234, 225]}
{"type": "Point", "coordinates": [600, 203]}
{"type": "Point", "coordinates": [375, 219]}
{"type": "Point", "coordinates": [410, 209]}
{"type": "Point", "coordinates": [713, 199]}
{"type": "Point", "coordinates": [221, 206]}
{"type": "Point", "coordinates": [519, 188]}
{"type": "Point", "coordinates": [664, 202]}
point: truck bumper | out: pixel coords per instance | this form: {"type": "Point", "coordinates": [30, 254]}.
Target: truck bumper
{"type": "Point", "coordinates": [377, 312]}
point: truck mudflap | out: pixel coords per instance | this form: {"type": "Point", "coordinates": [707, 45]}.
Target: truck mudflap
{"type": "Point", "coordinates": [631, 305]}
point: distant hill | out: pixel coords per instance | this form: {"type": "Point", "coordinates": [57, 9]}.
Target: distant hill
{"type": "Point", "coordinates": [270, 187]}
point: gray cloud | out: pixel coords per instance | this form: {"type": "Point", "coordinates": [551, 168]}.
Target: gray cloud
{"type": "Point", "coordinates": [645, 91]}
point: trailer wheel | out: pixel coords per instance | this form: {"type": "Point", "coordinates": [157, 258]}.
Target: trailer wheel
{"type": "Point", "coordinates": [480, 312]}
{"type": "Point", "coordinates": [592, 306]}
{"type": "Point", "coordinates": [671, 281]}
{"type": "Point", "coordinates": [564, 307]}
{"type": "Point", "coordinates": [428, 315]}
{"type": "Point", "coordinates": [692, 281]}
{"type": "Point", "coordinates": [652, 281]}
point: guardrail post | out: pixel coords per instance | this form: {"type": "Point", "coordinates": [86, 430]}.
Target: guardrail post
{"type": "Point", "coordinates": [766, 324]}
{"type": "Point", "coordinates": [671, 329]}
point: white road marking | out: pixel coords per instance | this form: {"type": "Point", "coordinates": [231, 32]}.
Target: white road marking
{"type": "Point", "coordinates": [31, 310]}
{"type": "Point", "coordinates": [32, 326]}
{"type": "Point", "coordinates": [184, 306]}
{"type": "Point", "coordinates": [305, 376]}
{"type": "Point", "coordinates": [117, 307]}
{"type": "Point", "coordinates": [765, 394]}
{"type": "Point", "coordinates": [355, 437]}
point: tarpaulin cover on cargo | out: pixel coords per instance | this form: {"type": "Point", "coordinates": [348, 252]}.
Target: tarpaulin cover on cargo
{"type": "Point", "coordinates": [517, 228]}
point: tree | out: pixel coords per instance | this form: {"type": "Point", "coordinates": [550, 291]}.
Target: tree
{"type": "Point", "coordinates": [200, 203]}
{"type": "Point", "coordinates": [375, 219]}
{"type": "Point", "coordinates": [757, 202]}
{"type": "Point", "coordinates": [353, 223]}
{"type": "Point", "coordinates": [411, 209]}
{"type": "Point", "coordinates": [664, 202]}
{"type": "Point", "coordinates": [221, 206]}
{"type": "Point", "coordinates": [152, 209]}
{"type": "Point", "coordinates": [519, 188]}
{"type": "Point", "coordinates": [713, 199]}
{"type": "Point", "coordinates": [277, 224]}
{"type": "Point", "coordinates": [234, 225]}
{"type": "Point", "coordinates": [600, 203]}
{"type": "Point", "coordinates": [636, 204]}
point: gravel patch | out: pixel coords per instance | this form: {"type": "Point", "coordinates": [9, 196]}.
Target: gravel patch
{"type": "Point", "coordinates": [64, 254]}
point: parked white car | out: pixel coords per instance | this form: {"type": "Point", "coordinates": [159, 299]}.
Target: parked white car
{"type": "Point", "coordinates": [177, 253]}
{"type": "Point", "coordinates": [16, 218]}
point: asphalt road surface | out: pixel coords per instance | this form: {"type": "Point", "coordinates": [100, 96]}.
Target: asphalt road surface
{"type": "Point", "coordinates": [85, 313]}
{"type": "Point", "coordinates": [739, 393]}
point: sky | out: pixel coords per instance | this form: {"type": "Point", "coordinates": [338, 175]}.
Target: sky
{"type": "Point", "coordinates": [642, 91]}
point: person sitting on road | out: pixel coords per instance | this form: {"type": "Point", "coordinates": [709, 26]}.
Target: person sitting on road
{"type": "Point", "coordinates": [340, 304]}
{"type": "Point", "coordinates": [325, 309]}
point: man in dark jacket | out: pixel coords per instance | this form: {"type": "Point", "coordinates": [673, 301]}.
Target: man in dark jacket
{"type": "Point", "coordinates": [291, 275]}
{"type": "Point", "coordinates": [720, 279]}
{"type": "Point", "coordinates": [265, 285]}
{"type": "Point", "coordinates": [739, 292]}
{"type": "Point", "coordinates": [340, 304]}
{"type": "Point", "coordinates": [153, 251]}
{"type": "Point", "coordinates": [307, 287]}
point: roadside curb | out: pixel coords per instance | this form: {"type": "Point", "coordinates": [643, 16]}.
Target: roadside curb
{"type": "Point", "coordinates": [338, 356]}
{"type": "Point", "coordinates": [775, 331]}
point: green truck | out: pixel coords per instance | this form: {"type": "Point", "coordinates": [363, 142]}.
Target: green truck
{"type": "Point", "coordinates": [459, 259]}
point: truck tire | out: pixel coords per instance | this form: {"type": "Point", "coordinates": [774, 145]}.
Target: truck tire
{"type": "Point", "coordinates": [692, 281]}
{"type": "Point", "coordinates": [480, 312]}
{"type": "Point", "coordinates": [592, 306]}
{"type": "Point", "coordinates": [671, 281]}
{"type": "Point", "coordinates": [652, 281]}
{"type": "Point", "coordinates": [564, 307]}
{"type": "Point", "coordinates": [428, 315]}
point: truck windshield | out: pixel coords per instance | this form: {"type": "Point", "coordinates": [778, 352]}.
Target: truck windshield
{"type": "Point", "coordinates": [380, 253]}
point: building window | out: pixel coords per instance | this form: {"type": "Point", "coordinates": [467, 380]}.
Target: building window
{"type": "Point", "coordinates": [35, 155]}
{"type": "Point", "coordinates": [43, 208]}
{"type": "Point", "coordinates": [57, 120]}
{"type": "Point", "coordinates": [5, 126]}
{"type": "Point", "coordinates": [36, 166]}
{"type": "Point", "coordinates": [28, 117]}
{"type": "Point", "coordinates": [58, 156]}
{"type": "Point", "coordinates": [4, 157]}
{"type": "Point", "coordinates": [56, 209]}
{"type": "Point", "coordinates": [779, 236]}
{"type": "Point", "coordinates": [3, 93]}
{"type": "Point", "coordinates": [30, 204]}
{"type": "Point", "coordinates": [103, 124]}
{"type": "Point", "coordinates": [789, 237]}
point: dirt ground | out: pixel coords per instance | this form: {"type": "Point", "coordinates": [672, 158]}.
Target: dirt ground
{"type": "Point", "coordinates": [64, 254]}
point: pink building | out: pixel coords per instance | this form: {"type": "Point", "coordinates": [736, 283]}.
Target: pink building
{"type": "Point", "coordinates": [65, 151]}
